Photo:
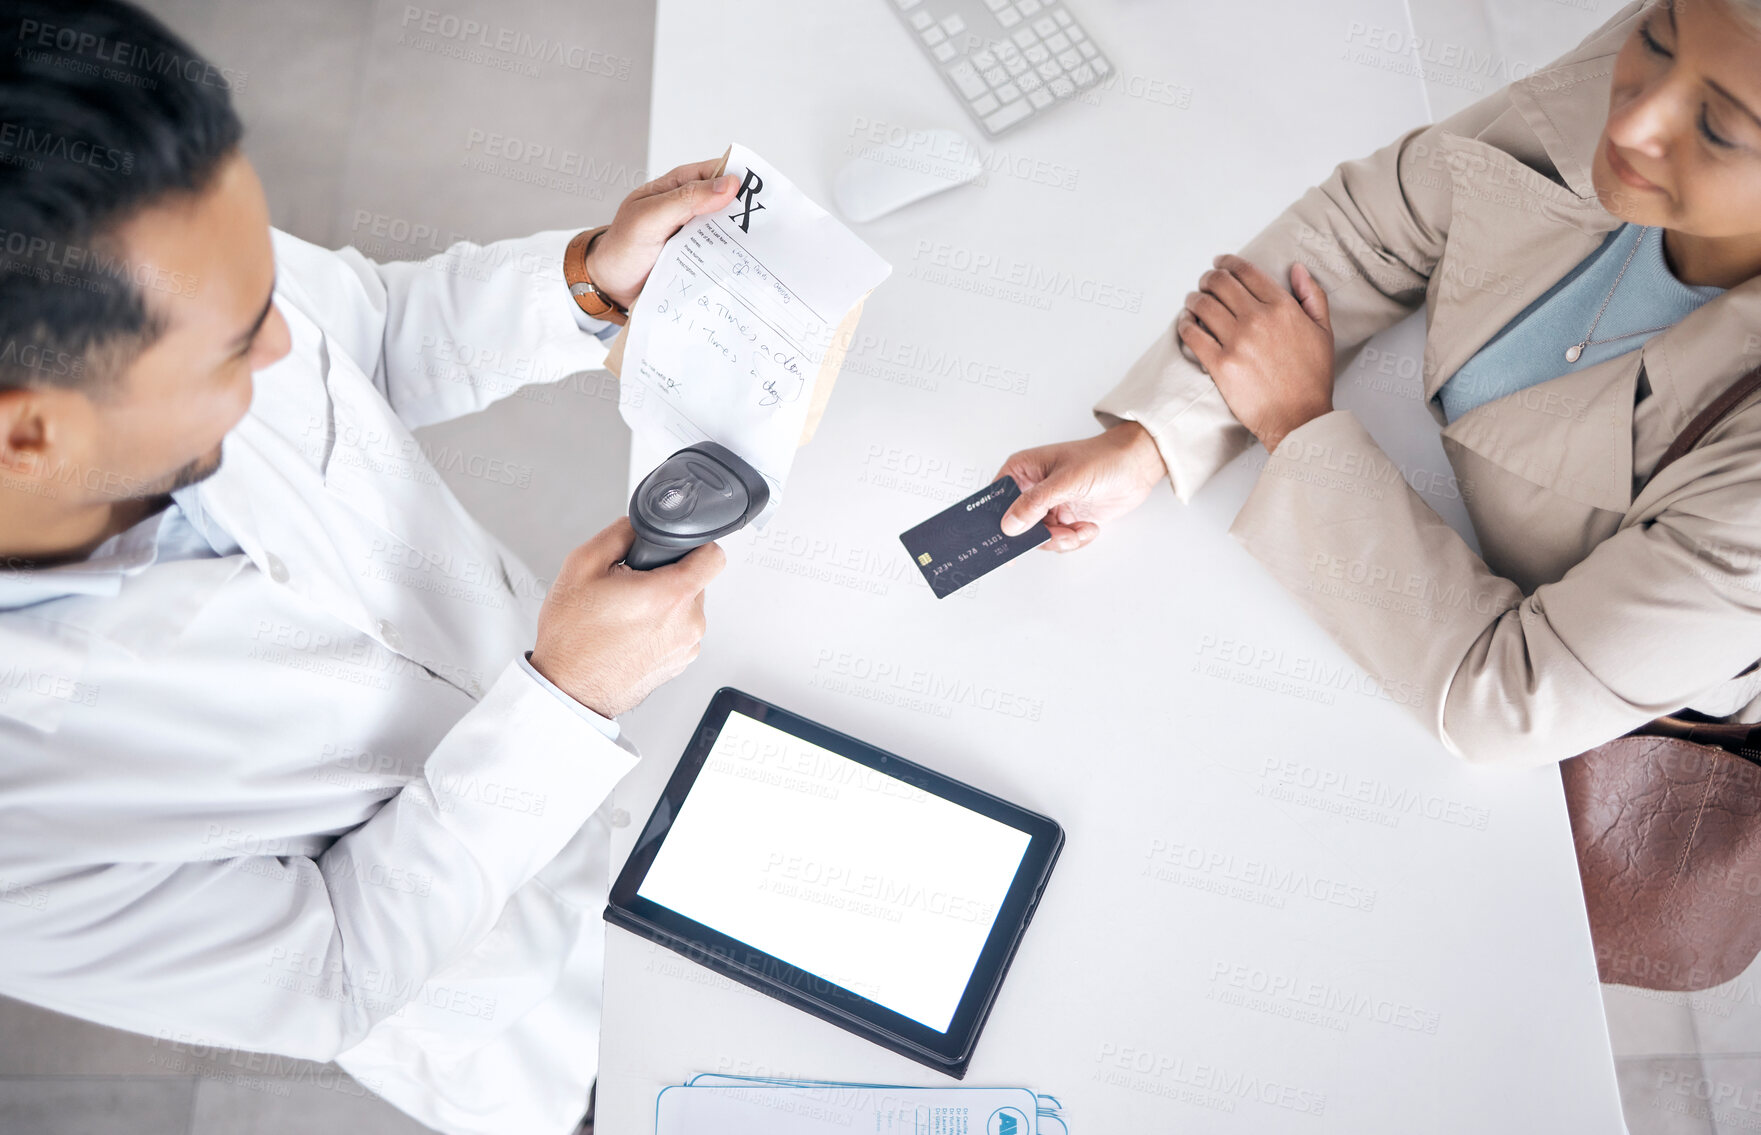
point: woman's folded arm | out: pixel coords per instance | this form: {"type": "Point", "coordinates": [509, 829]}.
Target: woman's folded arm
{"type": "Point", "coordinates": [1660, 613]}
{"type": "Point", "coordinates": [1371, 234]}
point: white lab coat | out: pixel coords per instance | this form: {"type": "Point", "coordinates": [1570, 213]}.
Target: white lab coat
{"type": "Point", "coordinates": [305, 798]}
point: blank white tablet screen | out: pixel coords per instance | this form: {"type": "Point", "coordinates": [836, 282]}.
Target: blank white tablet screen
{"type": "Point", "coordinates": [851, 875]}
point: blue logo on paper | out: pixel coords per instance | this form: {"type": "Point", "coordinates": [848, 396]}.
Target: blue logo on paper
{"type": "Point", "coordinates": [1007, 1121]}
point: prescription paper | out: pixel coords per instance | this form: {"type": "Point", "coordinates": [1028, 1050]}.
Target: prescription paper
{"type": "Point", "coordinates": [740, 330]}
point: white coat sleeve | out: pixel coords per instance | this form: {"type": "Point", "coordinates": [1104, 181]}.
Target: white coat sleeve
{"type": "Point", "coordinates": [449, 335]}
{"type": "Point", "coordinates": [301, 954]}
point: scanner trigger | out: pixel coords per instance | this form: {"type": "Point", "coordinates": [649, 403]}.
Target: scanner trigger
{"type": "Point", "coordinates": [709, 476]}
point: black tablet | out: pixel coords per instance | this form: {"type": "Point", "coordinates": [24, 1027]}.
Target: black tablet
{"type": "Point", "coordinates": [865, 889]}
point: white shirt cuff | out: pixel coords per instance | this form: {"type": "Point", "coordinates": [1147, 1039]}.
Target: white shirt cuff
{"type": "Point", "coordinates": [604, 724]}
{"type": "Point", "coordinates": [598, 328]}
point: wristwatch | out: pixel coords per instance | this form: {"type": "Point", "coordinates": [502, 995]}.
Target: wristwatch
{"type": "Point", "coordinates": [587, 295]}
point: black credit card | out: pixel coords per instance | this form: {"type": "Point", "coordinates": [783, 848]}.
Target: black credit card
{"type": "Point", "coordinates": [964, 541]}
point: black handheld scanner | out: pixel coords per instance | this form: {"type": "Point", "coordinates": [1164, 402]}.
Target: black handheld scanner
{"type": "Point", "coordinates": [699, 494]}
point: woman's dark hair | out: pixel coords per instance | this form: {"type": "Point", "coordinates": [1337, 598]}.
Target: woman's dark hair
{"type": "Point", "coordinates": [103, 111]}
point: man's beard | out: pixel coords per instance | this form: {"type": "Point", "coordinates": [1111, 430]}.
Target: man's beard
{"type": "Point", "coordinates": [198, 470]}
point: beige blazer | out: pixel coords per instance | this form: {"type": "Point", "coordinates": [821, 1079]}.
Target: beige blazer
{"type": "Point", "coordinates": [1596, 607]}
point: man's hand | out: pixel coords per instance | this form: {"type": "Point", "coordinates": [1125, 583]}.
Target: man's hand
{"type": "Point", "coordinates": [622, 257]}
{"type": "Point", "coordinates": [609, 634]}
{"type": "Point", "coordinates": [1075, 486]}
{"type": "Point", "coordinates": [1269, 352]}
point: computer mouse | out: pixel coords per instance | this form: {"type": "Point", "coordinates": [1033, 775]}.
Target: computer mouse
{"type": "Point", "coordinates": [901, 167]}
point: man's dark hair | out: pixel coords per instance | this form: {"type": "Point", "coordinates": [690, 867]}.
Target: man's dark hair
{"type": "Point", "coordinates": [103, 112]}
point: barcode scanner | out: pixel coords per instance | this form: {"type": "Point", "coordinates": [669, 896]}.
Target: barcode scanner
{"type": "Point", "coordinates": [701, 493]}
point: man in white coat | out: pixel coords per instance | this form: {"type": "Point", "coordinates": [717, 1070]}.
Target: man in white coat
{"type": "Point", "coordinates": [290, 758]}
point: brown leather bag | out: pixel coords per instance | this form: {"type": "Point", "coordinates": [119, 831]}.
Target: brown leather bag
{"type": "Point", "coordinates": [1667, 823]}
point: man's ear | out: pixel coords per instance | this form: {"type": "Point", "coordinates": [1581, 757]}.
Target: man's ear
{"type": "Point", "coordinates": [34, 422]}
{"type": "Point", "coordinates": [23, 433]}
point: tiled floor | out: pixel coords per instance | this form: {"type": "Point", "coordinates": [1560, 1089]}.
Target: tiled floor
{"type": "Point", "coordinates": [369, 131]}
{"type": "Point", "coordinates": [1689, 1063]}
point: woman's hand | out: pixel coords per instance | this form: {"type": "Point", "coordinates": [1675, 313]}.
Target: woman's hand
{"type": "Point", "coordinates": [1269, 352]}
{"type": "Point", "coordinates": [1075, 485]}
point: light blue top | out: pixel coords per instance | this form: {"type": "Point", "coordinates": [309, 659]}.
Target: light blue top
{"type": "Point", "coordinates": [1531, 347]}
{"type": "Point", "coordinates": [179, 531]}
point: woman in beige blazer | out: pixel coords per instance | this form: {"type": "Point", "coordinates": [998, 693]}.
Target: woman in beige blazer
{"type": "Point", "coordinates": [1604, 597]}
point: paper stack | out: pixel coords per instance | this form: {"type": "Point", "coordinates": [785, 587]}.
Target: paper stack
{"type": "Point", "coordinates": [752, 1105]}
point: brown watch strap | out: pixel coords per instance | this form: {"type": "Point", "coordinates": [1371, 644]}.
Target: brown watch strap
{"type": "Point", "coordinates": [588, 296]}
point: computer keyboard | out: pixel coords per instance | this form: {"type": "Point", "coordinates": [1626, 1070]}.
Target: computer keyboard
{"type": "Point", "coordinates": [1007, 60]}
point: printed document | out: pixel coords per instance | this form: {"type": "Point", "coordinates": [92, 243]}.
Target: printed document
{"type": "Point", "coordinates": [733, 1106]}
{"type": "Point", "coordinates": [740, 330]}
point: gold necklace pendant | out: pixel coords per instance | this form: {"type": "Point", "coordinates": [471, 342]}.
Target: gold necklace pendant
{"type": "Point", "coordinates": [1574, 352]}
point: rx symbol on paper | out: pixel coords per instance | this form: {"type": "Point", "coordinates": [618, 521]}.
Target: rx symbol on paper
{"type": "Point", "coordinates": [748, 196]}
